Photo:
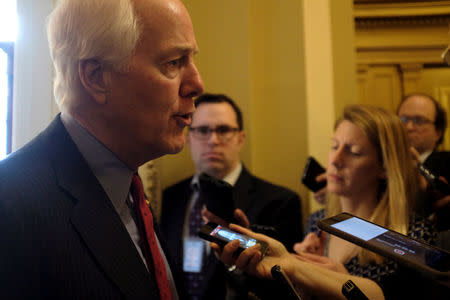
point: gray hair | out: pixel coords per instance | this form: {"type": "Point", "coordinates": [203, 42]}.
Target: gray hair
{"type": "Point", "coordinates": [105, 30]}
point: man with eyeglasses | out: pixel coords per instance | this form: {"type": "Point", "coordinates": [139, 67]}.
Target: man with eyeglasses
{"type": "Point", "coordinates": [425, 121]}
{"type": "Point", "coordinates": [215, 139]}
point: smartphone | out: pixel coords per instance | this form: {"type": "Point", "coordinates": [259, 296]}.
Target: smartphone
{"type": "Point", "coordinates": [223, 235]}
{"type": "Point", "coordinates": [217, 196]}
{"type": "Point", "coordinates": [427, 259]}
{"type": "Point", "coordinates": [311, 171]}
{"type": "Point", "coordinates": [286, 288]}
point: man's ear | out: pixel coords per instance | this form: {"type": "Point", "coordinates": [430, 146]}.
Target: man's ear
{"type": "Point", "coordinates": [93, 78]}
{"type": "Point", "coordinates": [439, 134]}
{"type": "Point", "coordinates": [241, 138]}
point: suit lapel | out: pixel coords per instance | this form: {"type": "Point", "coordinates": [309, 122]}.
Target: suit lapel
{"type": "Point", "coordinates": [96, 221]}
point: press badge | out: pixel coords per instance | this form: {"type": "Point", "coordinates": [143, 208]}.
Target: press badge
{"type": "Point", "coordinates": [193, 254]}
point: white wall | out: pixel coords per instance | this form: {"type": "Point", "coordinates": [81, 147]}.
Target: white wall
{"type": "Point", "coordinates": [33, 106]}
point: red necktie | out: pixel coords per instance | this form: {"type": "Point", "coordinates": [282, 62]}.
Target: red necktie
{"type": "Point", "coordinates": [148, 236]}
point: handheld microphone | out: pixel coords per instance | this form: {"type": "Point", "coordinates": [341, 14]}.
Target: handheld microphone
{"type": "Point", "coordinates": [286, 288]}
{"type": "Point", "coordinates": [218, 196]}
{"type": "Point", "coordinates": [434, 180]}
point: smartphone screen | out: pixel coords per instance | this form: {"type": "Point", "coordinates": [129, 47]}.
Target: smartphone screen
{"type": "Point", "coordinates": [222, 235]}
{"type": "Point", "coordinates": [387, 242]}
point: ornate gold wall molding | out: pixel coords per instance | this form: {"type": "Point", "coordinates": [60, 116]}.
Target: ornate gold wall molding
{"type": "Point", "coordinates": [399, 55]}
{"type": "Point", "coordinates": [400, 8]}
{"type": "Point", "coordinates": [406, 36]}
{"type": "Point", "coordinates": [370, 22]}
{"type": "Point", "coordinates": [152, 187]}
{"type": "Point", "coordinates": [442, 94]}
{"type": "Point", "coordinates": [390, 2]}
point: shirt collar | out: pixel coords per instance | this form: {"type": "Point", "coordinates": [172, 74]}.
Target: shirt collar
{"type": "Point", "coordinates": [230, 178]}
{"type": "Point", "coordinates": [233, 176]}
{"type": "Point", "coordinates": [425, 155]}
{"type": "Point", "coordinates": [112, 173]}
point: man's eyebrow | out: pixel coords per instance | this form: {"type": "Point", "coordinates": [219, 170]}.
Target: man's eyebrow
{"type": "Point", "coordinates": [183, 50]}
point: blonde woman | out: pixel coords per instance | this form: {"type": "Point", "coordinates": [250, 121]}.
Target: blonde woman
{"type": "Point", "coordinates": [370, 174]}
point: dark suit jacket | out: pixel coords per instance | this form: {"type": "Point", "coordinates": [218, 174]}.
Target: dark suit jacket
{"type": "Point", "coordinates": [264, 204]}
{"type": "Point", "coordinates": [61, 237]}
{"type": "Point", "coordinates": [439, 164]}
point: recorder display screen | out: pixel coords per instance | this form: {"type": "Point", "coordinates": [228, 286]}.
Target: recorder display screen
{"type": "Point", "coordinates": [228, 236]}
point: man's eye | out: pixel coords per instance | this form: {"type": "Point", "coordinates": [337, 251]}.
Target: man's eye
{"type": "Point", "coordinates": [174, 63]}
{"type": "Point", "coordinates": [419, 120]}
{"type": "Point", "coordinates": [172, 68]}
{"type": "Point", "coordinates": [203, 130]}
{"type": "Point", "coordinates": [223, 129]}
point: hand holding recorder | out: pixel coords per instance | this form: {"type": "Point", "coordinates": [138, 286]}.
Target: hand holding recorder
{"type": "Point", "coordinates": [308, 278]}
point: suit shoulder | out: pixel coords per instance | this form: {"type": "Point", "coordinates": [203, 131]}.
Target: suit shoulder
{"type": "Point", "coordinates": [439, 162]}
{"type": "Point", "coordinates": [177, 187]}
{"type": "Point", "coordinates": [269, 187]}
{"type": "Point", "coordinates": [439, 156]}
{"type": "Point", "coordinates": [175, 192]}
{"type": "Point", "coordinates": [24, 165]}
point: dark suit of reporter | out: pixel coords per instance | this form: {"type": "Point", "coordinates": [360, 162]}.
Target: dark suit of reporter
{"type": "Point", "coordinates": [125, 87]}
{"type": "Point", "coordinates": [218, 154]}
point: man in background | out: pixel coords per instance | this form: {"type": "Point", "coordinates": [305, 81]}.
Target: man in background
{"type": "Point", "coordinates": [425, 121]}
{"type": "Point", "coordinates": [215, 138]}
{"type": "Point", "coordinates": [74, 220]}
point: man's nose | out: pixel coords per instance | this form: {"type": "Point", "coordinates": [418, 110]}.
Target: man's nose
{"type": "Point", "coordinates": [213, 137]}
{"type": "Point", "coordinates": [409, 125]}
{"type": "Point", "coordinates": [192, 84]}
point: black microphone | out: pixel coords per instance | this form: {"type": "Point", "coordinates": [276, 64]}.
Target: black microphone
{"type": "Point", "coordinates": [434, 180]}
{"type": "Point", "coordinates": [286, 288]}
{"type": "Point", "coordinates": [218, 196]}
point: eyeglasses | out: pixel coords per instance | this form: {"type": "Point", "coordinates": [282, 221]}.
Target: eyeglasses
{"type": "Point", "coordinates": [446, 56]}
{"type": "Point", "coordinates": [223, 132]}
{"type": "Point", "coordinates": [416, 120]}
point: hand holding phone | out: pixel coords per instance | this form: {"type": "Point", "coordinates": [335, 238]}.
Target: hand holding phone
{"type": "Point", "coordinates": [311, 171]}
{"type": "Point", "coordinates": [223, 235]}
{"type": "Point", "coordinates": [426, 259]}
{"type": "Point", "coordinates": [313, 243]}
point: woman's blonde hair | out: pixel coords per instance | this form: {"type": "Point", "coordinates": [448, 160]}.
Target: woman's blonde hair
{"type": "Point", "coordinates": [396, 194]}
